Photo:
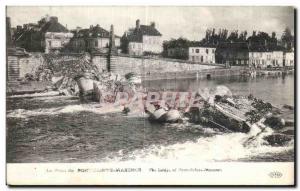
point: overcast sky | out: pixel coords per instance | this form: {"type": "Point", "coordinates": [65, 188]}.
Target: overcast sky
{"type": "Point", "coordinates": [172, 22]}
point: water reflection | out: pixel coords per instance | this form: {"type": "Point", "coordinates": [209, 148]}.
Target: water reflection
{"type": "Point", "coordinates": [277, 90]}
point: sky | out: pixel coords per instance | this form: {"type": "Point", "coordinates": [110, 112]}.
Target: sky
{"type": "Point", "coordinates": [172, 21]}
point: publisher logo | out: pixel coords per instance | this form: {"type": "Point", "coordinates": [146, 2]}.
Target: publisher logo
{"type": "Point", "coordinates": [275, 174]}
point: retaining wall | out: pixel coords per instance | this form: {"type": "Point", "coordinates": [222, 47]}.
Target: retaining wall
{"type": "Point", "coordinates": [143, 66]}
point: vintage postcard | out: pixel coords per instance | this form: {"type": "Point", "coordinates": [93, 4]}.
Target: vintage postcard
{"type": "Point", "coordinates": [150, 95]}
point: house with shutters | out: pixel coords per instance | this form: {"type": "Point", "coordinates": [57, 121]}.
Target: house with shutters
{"type": "Point", "coordinates": [266, 56]}
{"type": "Point", "coordinates": [47, 35]}
{"type": "Point", "coordinates": [56, 36]}
{"type": "Point", "coordinates": [93, 39]}
{"type": "Point", "coordinates": [202, 54]}
{"type": "Point", "coordinates": [144, 40]}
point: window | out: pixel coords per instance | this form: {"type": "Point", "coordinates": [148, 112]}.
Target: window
{"type": "Point", "coordinates": [201, 58]}
{"type": "Point", "coordinates": [206, 51]}
{"type": "Point", "coordinates": [197, 50]}
{"type": "Point", "coordinates": [213, 51]}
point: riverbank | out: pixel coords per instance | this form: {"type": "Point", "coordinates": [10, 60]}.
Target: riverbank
{"type": "Point", "coordinates": [29, 87]}
{"type": "Point", "coordinates": [196, 74]}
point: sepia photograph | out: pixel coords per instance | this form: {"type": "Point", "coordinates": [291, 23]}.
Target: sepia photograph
{"type": "Point", "coordinates": [187, 91]}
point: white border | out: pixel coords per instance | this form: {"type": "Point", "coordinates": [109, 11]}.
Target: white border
{"type": "Point", "coordinates": [3, 3]}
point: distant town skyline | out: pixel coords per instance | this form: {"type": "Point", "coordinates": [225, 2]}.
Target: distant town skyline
{"type": "Point", "coordinates": [171, 21]}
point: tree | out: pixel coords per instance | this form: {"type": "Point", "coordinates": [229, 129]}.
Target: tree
{"type": "Point", "coordinates": [287, 39]}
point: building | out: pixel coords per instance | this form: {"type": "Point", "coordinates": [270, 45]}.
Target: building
{"type": "Point", "coordinates": [94, 39]}
{"type": "Point", "coordinates": [266, 58]}
{"type": "Point", "coordinates": [260, 59]}
{"type": "Point", "coordinates": [232, 54]}
{"type": "Point", "coordinates": [144, 39]}
{"type": "Point", "coordinates": [289, 59]}
{"type": "Point", "coordinates": [277, 58]}
{"type": "Point", "coordinates": [56, 35]}
{"type": "Point", "coordinates": [202, 54]}
{"type": "Point", "coordinates": [260, 56]}
{"type": "Point", "coordinates": [47, 35]}
{"type": "Point", "coordinates": [98, 39]}
{"type": "Point", "coordinates": [266, 55]}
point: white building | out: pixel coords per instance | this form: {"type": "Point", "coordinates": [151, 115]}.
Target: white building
{"type": "Point", "coordinates": [289, 59]}
{"type": "Point", "coordinates": [56, 35]}
{"type": "Point", "coordinates": [144, 39]}
{"type": "Point", "coordinates": [202, 54]}
{"type": "Point", "coordinates": [265, 59]}
{"type": "Point", "coordinates": [135, 48]}
{"type": "Point", "coordinates": [277, 58]}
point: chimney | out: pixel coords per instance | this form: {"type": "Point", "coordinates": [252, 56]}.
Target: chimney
{"type": "Point", "coordinates": [152, 24]}
{"type": "Point", "coordinates": [53, 19]}
{"type": "Point", "coordinates": [137, 23]}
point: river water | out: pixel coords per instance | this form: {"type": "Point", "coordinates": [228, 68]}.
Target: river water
{"type": "Point", "coordinates": [49, 128]}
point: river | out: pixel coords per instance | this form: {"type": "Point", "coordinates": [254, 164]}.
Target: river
{"type": "Point", "coordinates": [50, 128]}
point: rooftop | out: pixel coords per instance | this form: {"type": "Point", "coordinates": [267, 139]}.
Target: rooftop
{"type": "Point", "coordinates": [53, 26]}
{"type": "Point", "coordinates": [233, 46]}
{"type": "Point", "coordinates": [136, 34]}
{"type": "Point", "coordinates": [94, 32]}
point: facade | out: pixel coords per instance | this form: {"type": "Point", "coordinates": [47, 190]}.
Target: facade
{"type": "Point", "coordinates": [94, 39]}
{"type": "Point", "coordinates": [98, 39]}
{"type": "Point", "coordinates": [56, 35]}
{"type": "Point", "coordinates": [202, 54]}
{"type": "Point", "coordinates": [266, 59]}
{"type": "Point", "coordinates": [289, 59]}
{"type": "Point", "coordinates": [266, 56]}
{"type": "Point", "coordinates": [277, 58]}
{"type": "Point", "coordinates": [135, 48]}
{"type": "Point", "coordinates": [232, 54]}
{"type": "Point", "coordinates": [48, 35]}
{"type": "Point", "coordinates": [260, 59]}
{"type": "Point", "coordinates": [144, 39]}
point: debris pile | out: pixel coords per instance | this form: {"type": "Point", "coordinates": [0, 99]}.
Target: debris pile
{"type": "Point", "coordinates": [63, 70]}
{"type": "Point", "coordinates": [109, 85]}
